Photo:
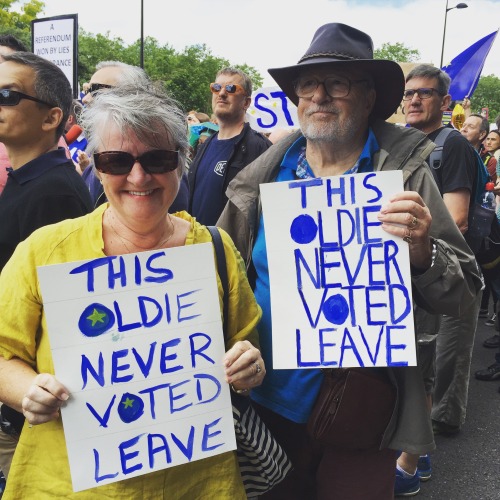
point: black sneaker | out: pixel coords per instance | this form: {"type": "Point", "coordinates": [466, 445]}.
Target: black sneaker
{"type": "Point", "coordinates": [491, 321]}
{"type": "Point", "coordinates": [492, 342]}
{"type": "Point", "coordinates": [490, 373]}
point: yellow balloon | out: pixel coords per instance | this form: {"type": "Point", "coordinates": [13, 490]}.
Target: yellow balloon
{"type": "Point", "coordinates": [458, 116]}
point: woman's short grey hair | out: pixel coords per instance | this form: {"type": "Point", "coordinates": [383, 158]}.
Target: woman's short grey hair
{"type": "Point", "coordinates": [430, 71]}
{"type": "Point", "coordinates": [145, 111]}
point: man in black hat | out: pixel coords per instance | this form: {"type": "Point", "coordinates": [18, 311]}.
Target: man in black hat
{"type": "Point", "coordinates": [343, 97]}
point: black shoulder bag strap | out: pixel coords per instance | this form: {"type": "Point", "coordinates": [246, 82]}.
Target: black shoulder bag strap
{"type": "Point", "coordinates": [222, 270]}
{"type": "Point", "coordinates": [435, 156]}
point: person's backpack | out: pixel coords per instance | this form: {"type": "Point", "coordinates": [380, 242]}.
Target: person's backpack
{"type": "Point", "coordinates": [480, 219]}
{"type": "Point", "coordinates": [435, 162]}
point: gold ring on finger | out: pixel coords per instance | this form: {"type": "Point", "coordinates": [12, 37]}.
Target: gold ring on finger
{"type": "Point", "coordinates": [407, 236]}
{"type": "Point", "coordinates": [414, 222]}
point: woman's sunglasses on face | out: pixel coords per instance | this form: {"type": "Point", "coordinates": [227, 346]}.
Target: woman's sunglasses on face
{"type": "Point", "coordinates": [156, 161]}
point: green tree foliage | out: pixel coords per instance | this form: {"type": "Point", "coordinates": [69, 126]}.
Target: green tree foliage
{"type": "Point", "coordinates": [487, 95]}
{"type": "Point", "coordinates": [95, 48]}
{"type": "Point", "coordinates": [19, 23]}
{"type": "Point", "coordinates": [397, 52]}
{"type": "Point", "coordinates": [185, 74]}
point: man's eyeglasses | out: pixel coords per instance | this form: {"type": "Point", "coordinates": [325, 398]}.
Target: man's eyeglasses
{"type": "Point", "coordinates": [231, 88]}
{"type": "Point", "coordinates": [423, 93]}
{"type": "Point", "coordinates": [156, 161]}
{"type": "Point", "coordinates": [335, 86]}
{"type": "Point", "coordinates": [94, 87]}
{"type": "Point", "coordinates": [10, 97]}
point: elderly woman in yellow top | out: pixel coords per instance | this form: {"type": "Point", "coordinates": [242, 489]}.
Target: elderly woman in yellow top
{"type": "Point", "coordinates": [139, 137]}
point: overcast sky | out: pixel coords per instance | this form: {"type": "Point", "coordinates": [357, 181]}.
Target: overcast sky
{"type": "Point", "coordinates": [274, 33]}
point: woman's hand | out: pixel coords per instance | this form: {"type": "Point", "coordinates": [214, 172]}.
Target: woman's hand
{"type": "Point", "coordinates": [244, 366]}
{"type": "Point", "coordinates": [44, 398]}
{"type": "Point", "coordinates": [407, 216]}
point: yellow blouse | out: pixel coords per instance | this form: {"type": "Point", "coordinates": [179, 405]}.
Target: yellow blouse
{"type": "Point", "coordinates": [40, 467]}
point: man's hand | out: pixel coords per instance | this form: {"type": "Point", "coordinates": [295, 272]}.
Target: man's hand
{"type": "Point", "coordinates": [407, 216]}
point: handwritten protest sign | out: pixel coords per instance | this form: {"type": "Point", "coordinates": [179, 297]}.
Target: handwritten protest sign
{"type": "Point", "coordinates": [340, 285]}
{"type": "Point", "coordinates": [137, 339]}
{"type": "Point", "coordinates": [56, 39]}
{"type": "Point", "coordinates": [271, 109]}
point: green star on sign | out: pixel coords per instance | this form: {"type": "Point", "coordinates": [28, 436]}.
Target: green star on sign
{"type": "Point", "coordinates": [96, 317]}
{"type": "Point", "coordinates": [128, 403]}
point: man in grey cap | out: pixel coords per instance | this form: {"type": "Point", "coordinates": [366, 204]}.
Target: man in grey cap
{"type": "Point", "coordinates": [344, 97]}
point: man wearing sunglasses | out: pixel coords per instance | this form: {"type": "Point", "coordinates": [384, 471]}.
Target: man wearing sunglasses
{"type": "Point", "coordinates": [42, 186]}
{"type": "Point", "coordinates": [8, 44]}
{"type": "Point", "coordinates": [227, 152]}
{"type": "Point", "coordinates": [110, 74]}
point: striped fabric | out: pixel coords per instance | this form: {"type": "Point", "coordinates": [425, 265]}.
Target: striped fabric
{"type": "Point", "coordinates": [263, 463]}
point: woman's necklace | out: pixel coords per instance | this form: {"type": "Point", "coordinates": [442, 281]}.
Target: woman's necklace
{"type": "Point", "coordinates": [160, 244]}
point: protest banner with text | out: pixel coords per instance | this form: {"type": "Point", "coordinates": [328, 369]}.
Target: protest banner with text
{"type": "Point", "coordinates": [56, 39]}
{"type": "Point", "coordinates": [340, 285]}
{"type": "Point", "coordinates": [137, 340]}
{"type": "Point", "coordinates": [271, 109]}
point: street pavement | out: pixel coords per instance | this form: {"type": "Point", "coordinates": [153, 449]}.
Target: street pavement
{"type": "Point", "coordinates": [467, 466]}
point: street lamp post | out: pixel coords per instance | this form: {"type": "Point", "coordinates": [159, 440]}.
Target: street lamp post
{"type": "Point", "coordinates": [142, 35]}
{"type": "Point", "coordinates": [458, 6]}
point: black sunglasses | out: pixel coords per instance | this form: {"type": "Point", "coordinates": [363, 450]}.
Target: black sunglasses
{"type": "Point", "coordinates": [94, 87]}
{"type": "Point", "coordinates": [10, 97]}
{"type": "Point", "coordinates": [156, 161]}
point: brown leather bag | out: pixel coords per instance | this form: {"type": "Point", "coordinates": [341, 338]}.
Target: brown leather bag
{"type": "Point", "coordinates": [353, 408]}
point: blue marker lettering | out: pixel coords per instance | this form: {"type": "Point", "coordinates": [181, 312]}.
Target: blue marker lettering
{"type": "Point", "coordinates": [210, 435]}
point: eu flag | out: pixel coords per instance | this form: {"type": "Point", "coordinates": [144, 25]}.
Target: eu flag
{"type": "Point", "coordinates": [465, 69]}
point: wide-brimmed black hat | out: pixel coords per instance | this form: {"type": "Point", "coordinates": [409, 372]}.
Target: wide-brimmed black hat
{"type": "Point", "coordinates": [337, 45]}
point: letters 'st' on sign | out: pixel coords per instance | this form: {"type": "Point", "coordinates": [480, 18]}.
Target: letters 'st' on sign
{"type": "Point", "coordinates": [340, 285]}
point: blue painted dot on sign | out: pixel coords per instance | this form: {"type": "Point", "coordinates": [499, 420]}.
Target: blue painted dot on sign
{"type": "Point", "coordinates": [130, 408]}
{"type": "Point", "coordinates": [336, 309]}
{"type": "Point", "coordinates": [95, 320]}
{"type": "Point", "coordinates": [303, 229]}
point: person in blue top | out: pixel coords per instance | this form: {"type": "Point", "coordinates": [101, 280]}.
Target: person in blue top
{"type": "Point", "coordinates": [343, 97]}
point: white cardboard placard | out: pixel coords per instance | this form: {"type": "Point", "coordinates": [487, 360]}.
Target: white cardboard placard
{"type": "Point", "coordinates": [340, 285]}
{"type": "Point", "coordinates": [137, 340]}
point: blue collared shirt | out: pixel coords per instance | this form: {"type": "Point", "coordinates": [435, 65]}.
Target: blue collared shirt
{"type": "Point", "coordinates": [291, 393]}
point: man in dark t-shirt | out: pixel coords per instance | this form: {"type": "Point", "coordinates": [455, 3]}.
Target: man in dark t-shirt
{"type": "Point", "coordinates": [425, 99]}
{"type": "Point", "coordinates": [228, 151]}
{"type": "Point", "coordinates": [42, 186]}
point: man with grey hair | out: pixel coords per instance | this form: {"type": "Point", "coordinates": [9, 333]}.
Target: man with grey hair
{"type": "Point", "coordinates": [425, 98]}
{"type": "Point", "coordinates": [344, 97]}
{"type": "Point", "coordinates": [226, 152]}
{"type": "Point", "coordinates": [111, 74]}
{"type": "Point", "coordinates": [42, 186]}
